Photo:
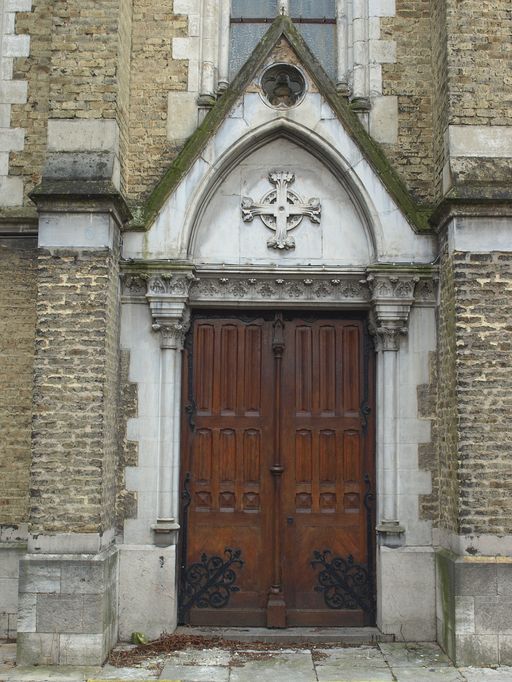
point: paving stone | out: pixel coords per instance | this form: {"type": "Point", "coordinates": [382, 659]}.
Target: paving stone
{"type": "Point", "coordinates": [41, 673]}
{"type": "Point", "coordinates": [352, 657]}
{"type": "Point", "coordinates": [503, 674]}
{"type": "Point", "coordinates": [443, 674]}
{"type": "Point", "coordinates": [333, 673]}
{"type": "Point", "coordinates": [195, 673]}
{"type": "Point", "coordinates": [423, 654]}
{"type": "Point", "coordinates": [199, 657]}
{"type": "Point", "coordinates": [111, 673]}
{"type": "Point", "coordinates": [270, 666]}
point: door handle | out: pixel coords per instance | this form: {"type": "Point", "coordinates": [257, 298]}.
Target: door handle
{"type": "Point", "coordinates": [289, 520]}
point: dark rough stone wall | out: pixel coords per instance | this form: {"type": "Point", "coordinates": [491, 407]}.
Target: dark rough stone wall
{"type": "Point", "coordinates": [427, 456]}
{"type": "Point", "coordinates": [126, 501]}
{"type": "Point", "coordinates": [440, 91]}
{"type": "Point", "coordinates": [479, 47]}
{"type": "Point", "coordinates": [17, 332]}
{"type": "Point", "coordinates": [446, 427]}
{"type": "Point", "coordinates": [410, 79]}
{"type": "Point", "coordinates": [483, 283]}
{"type": "Point", "coordinates": [75, 436]}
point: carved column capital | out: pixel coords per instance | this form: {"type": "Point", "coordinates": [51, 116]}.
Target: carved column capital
{"type": "Point", "coordinates": [167, 294]}
{"type": "Point", "coordinates": [387, 337]}
{"type": "Point", "coordinates": [392, 296]}
{"type": "Point", "coordinates": [172, 330]}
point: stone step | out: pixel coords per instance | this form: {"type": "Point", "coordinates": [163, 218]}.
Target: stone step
{"type": "Point", "coordinates": [287, 636]}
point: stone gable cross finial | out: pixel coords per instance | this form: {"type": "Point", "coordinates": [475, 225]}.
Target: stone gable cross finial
{"type": "Point", "coordinates": [281, 210]}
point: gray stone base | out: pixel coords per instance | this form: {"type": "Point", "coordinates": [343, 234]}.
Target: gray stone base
{"type": "Point", "coordinates": [147, 590]}
{"type": "Point", "coordinates": [406, 593]}
{"type": "Point", "coordinates": [474, 608]}
{"type": "Point", "coordinates": [10, 553]}
{"type": "Point", "coordinates": [67, 608]}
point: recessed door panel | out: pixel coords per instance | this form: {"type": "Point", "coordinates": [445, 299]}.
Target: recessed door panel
{"type": "Point", "coordinates": [279, 466]}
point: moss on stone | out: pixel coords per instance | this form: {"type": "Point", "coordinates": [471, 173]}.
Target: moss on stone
{"type": "Point", "coordinates": [282, 26]}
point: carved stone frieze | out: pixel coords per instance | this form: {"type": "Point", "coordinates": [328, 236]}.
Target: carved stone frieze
{"type": "Point", "coordinates": [134, 285]}
{"type": "Point", "coordinates": [391, 287]}
{"type": "Point", "coordinates": [170, 284]}
{"type": "Point", "coordinates": [314, 288]}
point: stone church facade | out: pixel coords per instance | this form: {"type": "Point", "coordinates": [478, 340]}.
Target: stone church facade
{"type": "Point", "coordinates": [256, 270]}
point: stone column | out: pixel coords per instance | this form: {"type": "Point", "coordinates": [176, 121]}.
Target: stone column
{"type": "Point", "coordinates": [68, 579]}
{"type": "Point", "coordinates": [224, 28]}
{"type": "Point", "coordinates": [167, 295]}
{"type": "Point", "coordinates": [360, 88]}
{"type": "Point", "coordinates": [343, 25]}
{"type": "Point", "coordinates": [391, 297]}
{"type": "Point", "coordinates": [209, 51]}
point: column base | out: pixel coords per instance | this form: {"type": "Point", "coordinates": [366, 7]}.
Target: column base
{"type": "Point", "coordinates": [391, 534]}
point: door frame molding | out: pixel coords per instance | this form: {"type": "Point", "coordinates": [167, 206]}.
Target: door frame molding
{"type": "Point", "coordinates": [387, 291]}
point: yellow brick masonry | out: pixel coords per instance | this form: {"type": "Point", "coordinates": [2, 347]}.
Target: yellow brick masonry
{"type": "Point", "coordinates": [153, 74]}
{"type": "Point", "coordinates": [75, 435]}
{"type": "Point", "coordinates": [410, 80]}
{"type": "Point", "coordinates": [17, 330]}
{"type": "Point", "coordinates": [479, 56]}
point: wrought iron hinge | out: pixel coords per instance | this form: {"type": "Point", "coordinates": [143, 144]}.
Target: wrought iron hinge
{"type": "Point", "coordinates": [191, 409]}
{"type": "Point", "coordinates": [365, 410]}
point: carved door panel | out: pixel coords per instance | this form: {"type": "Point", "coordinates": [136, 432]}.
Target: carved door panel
{"type": "Point", "coordinates": [276, 449]}
{"type": "Point", "coordinates": [229, 451]}
{"type": "Point", "coordinates": [325, 460]}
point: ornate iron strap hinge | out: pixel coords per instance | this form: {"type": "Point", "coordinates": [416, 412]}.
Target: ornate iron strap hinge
{"type": "Point", "coordinates": [209, 582]}
{"type": "Point", "coordinates": [345, 584]}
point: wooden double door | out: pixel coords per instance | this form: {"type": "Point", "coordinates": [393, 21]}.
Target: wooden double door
{"type": "Point", "coordinates": [277, 471]}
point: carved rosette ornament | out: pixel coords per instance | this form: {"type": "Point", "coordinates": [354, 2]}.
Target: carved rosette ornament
{"type": "Point", "coordinates": [281, 210]}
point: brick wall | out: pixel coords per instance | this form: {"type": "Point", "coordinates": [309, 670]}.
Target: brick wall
{"type": "Point", "coordinates": [440, 92]}
{"type": "Point", "coordinates": [446, 426]}
{"type": "Point", "coordinates": [474, 393]}
{"type": "Point", "coordinates": [482, 284]}
{"type": "Point", "coordinates": [75, 395]}
{"type": "Point", "coordinates": [33, 115]}
{"type": "Point", "coordinates": [126, 501]}
{"type": "Point", "coordinates": [17, 331]}
{"type": "Point", "coordinates": [410, 79]}
{"type": "Point", "coordinates": [479, 47]}
{"type": "Point", "coordinates": [153, 74]}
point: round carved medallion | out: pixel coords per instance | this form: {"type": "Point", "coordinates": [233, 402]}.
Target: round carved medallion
{"type": "Point", "coordinates": [283, 86]}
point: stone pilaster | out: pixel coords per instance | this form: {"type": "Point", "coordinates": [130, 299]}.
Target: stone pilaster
{"type": "Point", "coordinates": [474, 529]}
{"type": "Point", "coordinates": [167, 295]}
{"type": "Point", "coordinates": [68, 579]}
{"type": "Point", "coordinates": [391, 297]}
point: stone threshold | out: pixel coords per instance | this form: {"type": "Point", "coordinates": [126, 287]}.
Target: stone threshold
{"type": "Point", "coordinates": [311, 635]}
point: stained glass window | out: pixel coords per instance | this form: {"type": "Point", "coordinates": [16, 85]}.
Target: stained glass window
{"type": "Point", "coordinates": [316, 21]}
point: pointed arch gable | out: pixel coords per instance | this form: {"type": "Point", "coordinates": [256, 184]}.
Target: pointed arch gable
{"type": "Point", "coordinates": [313, 144]}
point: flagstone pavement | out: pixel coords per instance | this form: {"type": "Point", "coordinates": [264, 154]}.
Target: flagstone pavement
{"type": "Point", "coordinates": [385, 662]}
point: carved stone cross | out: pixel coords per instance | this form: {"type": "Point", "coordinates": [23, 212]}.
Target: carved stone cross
{"type": "Point", "coordinates": [281, 210]}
